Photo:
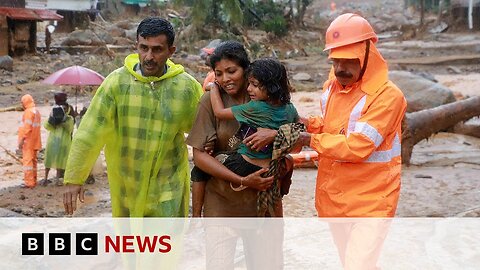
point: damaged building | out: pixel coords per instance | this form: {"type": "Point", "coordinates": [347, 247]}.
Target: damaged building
{"type": "Point", "coordinates": [18, 27]}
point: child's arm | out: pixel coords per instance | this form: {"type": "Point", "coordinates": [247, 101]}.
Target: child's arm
{"type": "Point", "coordinates": [217, 104]}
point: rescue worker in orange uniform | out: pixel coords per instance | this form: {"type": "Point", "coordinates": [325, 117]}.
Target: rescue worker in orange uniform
{"type": "Point", "coordinates": [357, 135]}
{"type": "Point", "coordinates": [358, 140]}
{"type": "Point", "coordinates": [29, 141]}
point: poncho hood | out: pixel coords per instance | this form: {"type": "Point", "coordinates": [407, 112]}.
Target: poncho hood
{"type": "Point", "coordinates": [132, 60]}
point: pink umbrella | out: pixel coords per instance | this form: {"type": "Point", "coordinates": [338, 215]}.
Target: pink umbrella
{"type": "Point", "coordinates": [75, 75]}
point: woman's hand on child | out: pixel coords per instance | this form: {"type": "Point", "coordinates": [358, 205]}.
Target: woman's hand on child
{"type": "Point", "coordinates": [256, 181]}
{"type": "Point", "coordinates": [260, 139]}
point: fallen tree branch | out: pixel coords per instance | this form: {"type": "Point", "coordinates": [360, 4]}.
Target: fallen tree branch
{"type": "Point", "coordinates": [467, 129]}
{"type": "Point", "coordinates": [11, 154]}
{"type": "Point", "coordinates": [468, 211]}
{"type": "Point", "coordinates": [434, 60]}
{"type": "Point", "coordinates": [467, 162]}
{"type": "Point", "coordinates": [98, 25]}
{"type": "Point", "coordinates": [11, 109]}
{"type": "Point", "coordinates": [420, 125]}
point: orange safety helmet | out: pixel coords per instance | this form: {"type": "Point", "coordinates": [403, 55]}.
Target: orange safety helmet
{"type": "Point", "coordinates": [348, 29]}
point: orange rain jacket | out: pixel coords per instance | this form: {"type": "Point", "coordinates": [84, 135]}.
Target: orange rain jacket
{"type": "Point", "coordinates": [358, 139]}
{"type": "Point", "coordinates": [31, 122]}
{"type": "Point", "coordinates": [29, 133]}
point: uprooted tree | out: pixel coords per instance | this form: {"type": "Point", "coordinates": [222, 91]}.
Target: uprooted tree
{"type": "Point", "coordinates": [421, 125]}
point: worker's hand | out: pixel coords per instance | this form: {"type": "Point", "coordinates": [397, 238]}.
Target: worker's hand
{"type": "Point", "coordinates": [256, 181]}
{"type": "Point", "coordinates": [303, 120]}
{"type": "Point", "coordinates": [303, 140]}
{"type": "Point", "coordinates": [259, 139]}
{"type": "Point", "coordinates": [70, 194]}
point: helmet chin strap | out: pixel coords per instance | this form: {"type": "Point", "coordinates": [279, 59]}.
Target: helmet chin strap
{"type": "Point", "coordinates": [365, 60]}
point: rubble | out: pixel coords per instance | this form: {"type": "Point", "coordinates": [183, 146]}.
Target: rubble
{"type": "Point", "coordinates": [421, 93]}
{"type": "Point", "coordinates": [302, 76]}
{"type": "Point", "coordinates": [6, 63]}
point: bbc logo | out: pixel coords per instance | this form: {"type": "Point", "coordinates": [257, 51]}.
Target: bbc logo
{"type": "Point", "coordinates": [59, 244]}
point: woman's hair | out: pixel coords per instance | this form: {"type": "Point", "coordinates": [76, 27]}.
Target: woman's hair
{"type": "Point", "coordinates": [272, 76]}
{"type": "Point", "coordinates": [231, 50]}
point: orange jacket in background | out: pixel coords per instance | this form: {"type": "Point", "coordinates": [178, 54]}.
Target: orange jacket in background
{"type": "Point", "coordinates": [358, 139]}
{"type": "Point", "coordinates": [31, 122]}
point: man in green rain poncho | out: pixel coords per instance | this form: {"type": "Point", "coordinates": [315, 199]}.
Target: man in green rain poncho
{"type": "Point", "coordinates": [140, 114]}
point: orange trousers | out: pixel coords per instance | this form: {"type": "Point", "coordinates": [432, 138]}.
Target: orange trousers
{"type": "Point", "coordinates": [30, 167]}
{"type": "Point", "coordinates": [359, 241]}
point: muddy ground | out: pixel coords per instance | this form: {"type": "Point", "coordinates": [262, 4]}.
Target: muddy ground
{"type": "Point", "coordinates": [442, 180]}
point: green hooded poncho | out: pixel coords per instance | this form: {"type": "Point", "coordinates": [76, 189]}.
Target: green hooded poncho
{"type": "Point", "coordinates": [141, 121]}
{"type": "Point", "coordinates": [58, 143]}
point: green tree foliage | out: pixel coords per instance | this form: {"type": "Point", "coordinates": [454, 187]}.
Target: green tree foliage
{"type": "Point", "coordinates": [276, 25]}
{"type": "Point", "coordinates": [271, 14]}
{"type": "Point", "coordinates": [219, 13]}
{"type": "Point", "coordinates": [268, 15]}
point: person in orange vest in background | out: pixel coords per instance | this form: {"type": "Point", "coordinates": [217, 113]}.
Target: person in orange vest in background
{"type": "Point", "coordinates": [358, 139]}
{"type": "Point", "coordinates": [211, 74]}
{"type": "Point", "coordinates": [29, 141]}
{"type": "Point", "coordinates": [333, 6]}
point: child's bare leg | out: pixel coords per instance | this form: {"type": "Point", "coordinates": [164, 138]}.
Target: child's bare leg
{"type": "Point", "coordinates": [60, 173]}
{"type": "Point", "coordinates": [198, 195]}
{"type": "Point", "coordinates": [278, 208]}
{"type": "Point", "coordinates": [285, 176]}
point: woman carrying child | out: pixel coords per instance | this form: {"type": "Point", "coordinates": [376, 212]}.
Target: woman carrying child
{"type": "Point", "coordinates": [211, 136]}
{"type": "Point", "coordinates": [269, 107]}
{"type": "Point", "coordinates": [229, 61]}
